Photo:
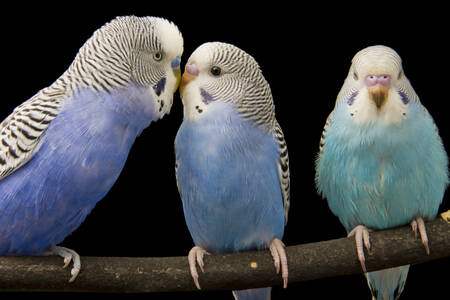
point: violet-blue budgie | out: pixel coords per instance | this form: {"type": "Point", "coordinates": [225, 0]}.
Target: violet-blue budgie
{"type": "Point", "coordinates": [381, 162]}
{"type": "Point", "coordinates": [231, 160]}
{"type": "Point", "coordinates": [63, 149]}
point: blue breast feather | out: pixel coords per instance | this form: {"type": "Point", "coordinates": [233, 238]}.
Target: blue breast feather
{"type": "Point", "coordinates": [82, 153]}
{"type": "Point", "coordinates": [228, 178]}
{"type": "Point", "coordinates": [382, 175]}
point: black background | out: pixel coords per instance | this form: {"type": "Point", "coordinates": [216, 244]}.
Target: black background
{"type": "Point", "coordinates": [304, 54]}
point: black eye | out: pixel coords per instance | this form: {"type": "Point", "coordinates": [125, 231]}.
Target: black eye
{"type": "Point", "coordinates": [355, 76]}
{"type": "Point", "coordinates": [157, 56]}
{"type": "Point", "coordinates": [215, 71]}
{"type": "Point", "coordinates": [399, 75]}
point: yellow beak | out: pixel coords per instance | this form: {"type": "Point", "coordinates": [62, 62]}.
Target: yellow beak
{"type": "Point", "coordinates": [177, 73]}
{"type": "Point", "coordinates": [185, 80]}
{"type": "Point", "coordinates": [378, 94]}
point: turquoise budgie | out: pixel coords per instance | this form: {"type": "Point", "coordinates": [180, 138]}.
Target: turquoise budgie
{"type": "Point", "coordinates": [232, 161]}
{"type": "Point", "coordinates": [63, 149]}
{"type": "Point", "coordinates": [381, 162]}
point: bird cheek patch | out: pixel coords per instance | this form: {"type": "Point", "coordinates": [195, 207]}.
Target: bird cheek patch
{"type": "Point", "coordinates": [159, 87]}
{"type": "Point", "coordinates": [206, 97]}
{"type": "Point", "coordinates": [352, 98]}
{"type": "Point", "coordinates": [405, 98]}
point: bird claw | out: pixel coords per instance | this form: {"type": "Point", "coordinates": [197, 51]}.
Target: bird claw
{"type": "Point", "coordinates": [277, 249]}
{"type": "Point", "coordinates": [361, 234]}
{"type": "Point", "coordinates": [195, 256]}
{"type": "Point", "coordinates": [418, 224]}
{"type": "Point", "coordinates": [69, 256]}
{"type": "Point", "coordinates": [67, 261]}
{"type": "Point", "coordinates": [446, 216]}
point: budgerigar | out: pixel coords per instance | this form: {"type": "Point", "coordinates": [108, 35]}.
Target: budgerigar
{"type": "Point", "coordinates": [232, 161]}
{"type": "Point", "coordinates": [381, 163]}
{"type": "Point", "coordinates": [63, 149]}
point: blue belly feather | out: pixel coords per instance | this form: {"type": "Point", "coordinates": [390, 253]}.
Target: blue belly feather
{"type": "Point", "coordinates": [228, 178]}
{"type": "Point", "coordinates": [382, 175]}
{"type": "Point", "coordinates": [81, 155]}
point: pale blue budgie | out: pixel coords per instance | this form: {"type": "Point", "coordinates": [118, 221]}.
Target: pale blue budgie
{"type": "Point", "coordinates": [381, 163]}
{"type": "Point", "coordinates": [231, 160]}
{"type": "Point", "coordinates": [63, 149]}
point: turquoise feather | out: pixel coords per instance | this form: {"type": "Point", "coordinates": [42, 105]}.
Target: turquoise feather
{"type": "Point", "coordinates": [382, 175]}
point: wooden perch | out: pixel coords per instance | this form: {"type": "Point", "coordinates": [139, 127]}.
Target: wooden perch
{"type": "Point", "coordinates": [337, 257]}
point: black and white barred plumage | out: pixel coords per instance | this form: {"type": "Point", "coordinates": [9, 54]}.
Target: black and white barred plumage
{"type": "Point", "coordinates": [120, 53]}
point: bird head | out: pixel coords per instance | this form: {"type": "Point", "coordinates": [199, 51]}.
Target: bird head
{"type": "Point", "coordinates": [376, 88]}
{"type": "Point", "coordinates": [222, 73]}
{"type": "Point", "coordinates": [140, 51]}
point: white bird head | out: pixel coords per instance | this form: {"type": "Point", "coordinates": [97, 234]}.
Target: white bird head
{"type": "Point", "coordinates": [376, 88]}
{"type": "Point", "coordinates": [220, 72]}
{"type": "Point", "coordinates": [144, 51]}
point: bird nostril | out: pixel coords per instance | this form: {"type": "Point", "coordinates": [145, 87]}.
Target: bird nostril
{"type": "Point", "coordinates": [176, 62]}
{"type": "Point", "coordinates": [191, 68]}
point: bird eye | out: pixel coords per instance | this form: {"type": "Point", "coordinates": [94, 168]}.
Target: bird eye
{"type": "Point", "coordinates": [355, 76]}
{"type": "Point", "coordinates": [215, 71]}
{"type": "Point", "coordinates": [157, 56]}
{"type": "Point", "coordinates": [399, 75]}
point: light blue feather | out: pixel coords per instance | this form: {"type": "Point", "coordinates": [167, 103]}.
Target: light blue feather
{"type": "Point", "coordinates": [260, 294]}
{"type": "Point", "coordinates": [387, 284]}
{"type": "Point", "coordinates": [82, 153]}
{"type": "Point", "coordinates": [228, 179]}
{"type": "Point", "coordinates": [383, 176]}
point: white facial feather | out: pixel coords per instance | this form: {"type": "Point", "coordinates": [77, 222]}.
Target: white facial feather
{"type": "Point", "coordinates": [364, 111]}
{"type": "Point", "coordinates": [376, 60]}
{"type": "Point", "coordinates": [193, 105]}
{"type": "Point", "coordinates": [170, 37]}
{"type": "Point", "coordinates": [172, 44]}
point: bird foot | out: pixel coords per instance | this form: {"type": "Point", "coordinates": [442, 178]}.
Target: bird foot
{"type": "Point", "coordinates": [195, 256]}
{"type": "Point", "coordinates": [69, 256]}
{"type": "Point", "coordinates": [361, 234]}
{"type": "Point", "coordinates": [278, 251]}
{"type": "Point", "coordinates": [418, 224]}
{"type": "Point", "coordinates": [446, 216]}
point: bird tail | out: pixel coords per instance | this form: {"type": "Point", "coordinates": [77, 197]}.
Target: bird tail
{"type": "Point", "coordinates": [387, 284]}
{"type": "Point", "coordinates": [253, 294]}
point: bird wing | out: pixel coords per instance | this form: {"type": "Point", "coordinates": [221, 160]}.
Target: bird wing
{"type": "Point", "coordinates": [21, 131]}
{"type": "Point", "coordinates": [283, 169]}
{"type": "Point", "coordinates": [324, 131]}
{"type": "Point", "coordinates": [176, 178]}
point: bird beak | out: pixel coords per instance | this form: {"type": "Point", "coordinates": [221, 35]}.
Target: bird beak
{"type": "Point", "coordinates": [190, 73]}
{"type": "Point", "coordinates": [378, 94]}
{"type": "Point", "coordinates": [176, 71]}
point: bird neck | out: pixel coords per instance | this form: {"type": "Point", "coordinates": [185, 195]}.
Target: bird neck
{"type": "Point", "coordinates": [224, 130]}
{"type": "Point", "coordinates": [382, 135]}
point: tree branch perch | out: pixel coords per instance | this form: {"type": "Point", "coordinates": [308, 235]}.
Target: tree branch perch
{"type": "Point", "coordinates": [337, 257]}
